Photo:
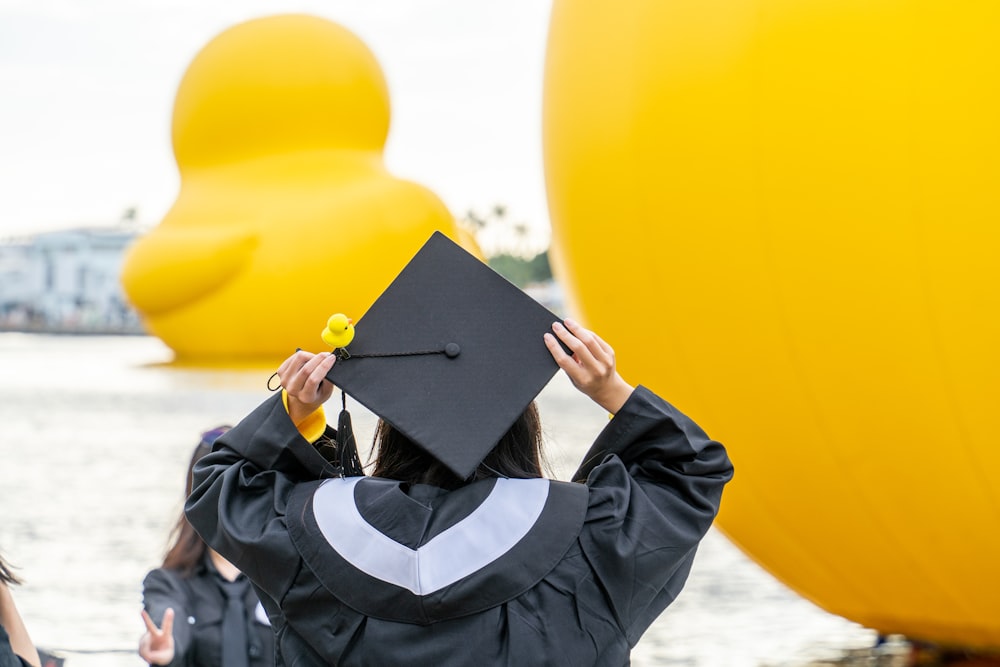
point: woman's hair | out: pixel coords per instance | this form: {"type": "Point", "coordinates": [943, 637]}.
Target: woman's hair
{"type": "Point", "coordinates": [6, 576]}
{"type": "Point", "coordinates": [187, 549]}
{"type": "Point", "coordinates": [518, 454]}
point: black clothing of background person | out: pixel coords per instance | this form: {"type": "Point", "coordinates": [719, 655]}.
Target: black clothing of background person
{"type": "Point", "coordinates": [7, 656]}
{"type": "Point", "coordinates": [16, 647]}
{"type": "Point", "coordinates": [198, 603]}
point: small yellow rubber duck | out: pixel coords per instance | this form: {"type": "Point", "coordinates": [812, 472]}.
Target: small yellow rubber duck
{"type": "Point", "coordinates": [339, 331]}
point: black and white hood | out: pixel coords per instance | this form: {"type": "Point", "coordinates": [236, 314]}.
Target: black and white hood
{"type": "Point", "coordinates": [420, 554]}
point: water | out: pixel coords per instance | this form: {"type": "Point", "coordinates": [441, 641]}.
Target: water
{"type": "Point", "coordinates": [95, 437]}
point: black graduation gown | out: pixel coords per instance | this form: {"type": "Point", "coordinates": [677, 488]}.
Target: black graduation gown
{"type": "Point", "coordinates": [198, 605]}
{"type": "Point", "coordinates": [368, 571]}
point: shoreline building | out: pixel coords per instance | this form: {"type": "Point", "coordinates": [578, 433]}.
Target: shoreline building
{"type": "Point", "coordinates": [67, 281]}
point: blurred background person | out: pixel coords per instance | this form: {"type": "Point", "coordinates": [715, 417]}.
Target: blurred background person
{"type": "Point", "coordinates": [199, 609]}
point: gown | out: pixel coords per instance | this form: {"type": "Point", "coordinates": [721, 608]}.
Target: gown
{"type": "Point", "coordinates": [198, 604]}
{"type": "Point", "coordinates": [363, 571]}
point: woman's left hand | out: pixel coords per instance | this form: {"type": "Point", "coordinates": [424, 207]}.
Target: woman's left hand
{"type": "Point", "coordinates": [303, 375]}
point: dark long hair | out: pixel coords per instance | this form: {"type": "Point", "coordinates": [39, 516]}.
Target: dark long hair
{"type": "Point", "coordinates": [6, 576]}
{"type": "Point", "coordinates": [187, 549]}
{"type": "Point", "coordinates": [518, 454]}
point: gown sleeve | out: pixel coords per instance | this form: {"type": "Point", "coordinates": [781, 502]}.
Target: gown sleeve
{"type": "Point", "coordinates": [241, 490]}
{"type": "Point", "coordinates": [162, 589]}
{"type": "Point", "coordinates": [655, 483]}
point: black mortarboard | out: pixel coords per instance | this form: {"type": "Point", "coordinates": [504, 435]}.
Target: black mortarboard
{"type": "Point", "coordinates": [450, 354]}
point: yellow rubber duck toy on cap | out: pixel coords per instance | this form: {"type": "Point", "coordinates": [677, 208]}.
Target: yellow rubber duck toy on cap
{"type": "Point", "coordinates": [339, 331]}
{"type": "Point", "coordinates": [278, 130]}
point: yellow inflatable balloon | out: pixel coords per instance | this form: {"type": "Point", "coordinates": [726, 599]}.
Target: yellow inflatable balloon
{"type": "Point", "coordinates": [784, 215]}
{"type": "Point", "coordinates": [286, 212]}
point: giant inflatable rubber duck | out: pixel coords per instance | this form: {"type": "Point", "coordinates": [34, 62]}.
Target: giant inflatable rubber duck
{"type": "Point", "coordinates": [785, 216]}
{"type": "Point", "coordinates": [286, 212]}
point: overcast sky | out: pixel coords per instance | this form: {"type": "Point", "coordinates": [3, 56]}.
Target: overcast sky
{"type": "Point", "coordinates": [87, 88]}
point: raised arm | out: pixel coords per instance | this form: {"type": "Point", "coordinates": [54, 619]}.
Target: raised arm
{"type": "Point", "coordinates": [241, 488]}
{"type": "Point", "coordinates": [656, 483]}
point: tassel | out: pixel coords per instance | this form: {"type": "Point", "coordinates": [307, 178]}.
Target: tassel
{"type": "Point", "coordinates": [350, 462]}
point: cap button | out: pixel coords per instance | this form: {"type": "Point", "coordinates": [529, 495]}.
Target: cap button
{"type": "Point", "coordinates": [452, 350]}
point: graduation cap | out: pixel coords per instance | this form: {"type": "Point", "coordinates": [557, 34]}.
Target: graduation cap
{"type": "Point", "coordinates": [450, 354]}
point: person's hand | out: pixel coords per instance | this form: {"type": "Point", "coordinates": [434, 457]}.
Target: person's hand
{"type": "Point", "coordinates": [156, 646]}
{"type": "Point", "coordinates": [591, 367]}
{"type": "Point", "coordinates": [303, 375]}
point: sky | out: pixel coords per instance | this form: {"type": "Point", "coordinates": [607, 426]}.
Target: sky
{"type": "Point", "coordinates": [87, 89]}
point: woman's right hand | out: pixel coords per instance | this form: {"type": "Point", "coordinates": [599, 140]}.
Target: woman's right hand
{"type": "Point", "coordinates": [156, 646]}
{"type": "Point", "coordinates": [590, 366]}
